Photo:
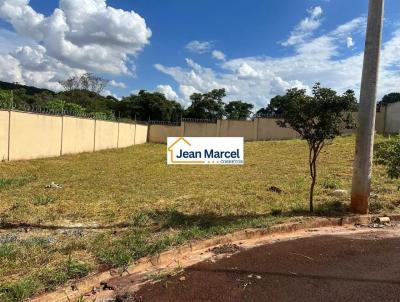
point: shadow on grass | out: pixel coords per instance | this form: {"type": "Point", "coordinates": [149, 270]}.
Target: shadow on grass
{"type": "Point", "coordinates": [160, 220]}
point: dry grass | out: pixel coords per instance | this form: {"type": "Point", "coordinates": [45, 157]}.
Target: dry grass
{"type": "Point", "coordinates": [164, 205]}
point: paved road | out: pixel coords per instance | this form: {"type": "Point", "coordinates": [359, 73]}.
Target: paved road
{"type": "Point", "coordinates": [325, 268]}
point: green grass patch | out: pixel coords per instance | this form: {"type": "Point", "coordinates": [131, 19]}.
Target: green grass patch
{"type": "Point", "coordinates": [43, 200]}
{"type": "Point", "coordinates": [15, 182]}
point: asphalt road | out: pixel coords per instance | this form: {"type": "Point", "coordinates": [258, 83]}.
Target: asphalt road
{"type": "Point", "coordinates": [324, 268]}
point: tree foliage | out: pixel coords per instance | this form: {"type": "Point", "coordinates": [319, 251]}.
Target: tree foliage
{"type": "Point", "coordinates": [318, 119]}
{"type": "Point", "coordinates": [238, 110]}
{"type": "Point", "coordinates": [388, 155]}
{"type": "Point", "coordinates": [64, 107]}
{"type": "Point", "coordinates": [81, 96]}
{"type": "Point", "coordinates": [274, 107]}
{"type": "Point", "coordinates": [87, 81]}
{"type": "Point", "coordinates": [149, 105]}
{"type": "Point", "coordinates": [390, 98]}
{"type": "Point", "coordinates": [207, 105]}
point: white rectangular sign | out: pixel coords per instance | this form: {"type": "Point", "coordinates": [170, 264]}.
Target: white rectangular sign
{"type": "Point", "coordinates": [205, 151]}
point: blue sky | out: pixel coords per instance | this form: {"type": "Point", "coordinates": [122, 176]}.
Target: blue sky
{"type": "Point", "coordinates": [263, 47]}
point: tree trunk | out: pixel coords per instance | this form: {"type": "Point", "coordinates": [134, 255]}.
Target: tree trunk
{"type": "Point", "coordinates": [313, 173]}
{"type": "Point", "coordinates": [313, 181]}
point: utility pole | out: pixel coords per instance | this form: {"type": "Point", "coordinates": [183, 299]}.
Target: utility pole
{"type": "Point", "coordinates": [362, 168]}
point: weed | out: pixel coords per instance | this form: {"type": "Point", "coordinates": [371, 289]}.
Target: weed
{"type": "Point", "coordinates": [18, 291]}
{"type": "Point", "coordinates": [164, 274]}
{"type": "Point", "coordinates": [7, 252]}
{"type": "Point", "coordinates": [75, 269]}
{"type": "Point", "coordinates": [43, 200]}
{"type": "Point", "coordinates": [377, 206]}
{"type": "Point", "coordinates": [51, 278]}
{"type": "Point", "coordinates": [331, 183]}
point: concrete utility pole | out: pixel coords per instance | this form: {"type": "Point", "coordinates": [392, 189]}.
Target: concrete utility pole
{"type": "Point", "coordinates": [362, 169]}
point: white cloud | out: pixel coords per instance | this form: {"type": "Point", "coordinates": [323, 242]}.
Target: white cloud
{"type": "Point", "coordinates": [116, 84]}
{"type": "Point", "coordinates": [258, 79]}
{"type": "Point", "coordinates": [349, 42]}
{"type": "Point", "coordinates": [9, 41]}
{"type": "Point", "coordinates": [219, 55]}
{"type": "Point", "coordinates": [306, 27]}
{"type": "Point", "coordinates": [168, 92]}
{"type": "Point", "coordinates": [199, 47]}
{"type": "Point", "coordinates": [80, 35]}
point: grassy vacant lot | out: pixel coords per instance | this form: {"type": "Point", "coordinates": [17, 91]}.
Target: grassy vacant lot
{"type": "Point", "coordinates": [156, 206]}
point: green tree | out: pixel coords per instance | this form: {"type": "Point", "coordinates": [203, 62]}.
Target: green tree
{"type": "Point", "coordinates": [390, 98]}
{"type": "Point", "coordinates": [318, 119]}
{"type": "Point", "coordinates": [149, 105]}
{"type": "Point", "coordinates": [388, 155]}
{"type": "Point", "coordinates": [5, 99]}
{"type": "Point", "coordinates": [274, 107]}
{"type": "Point", "coordinates": [238, 110]}
{"type": "Point", "coordinates": [207, 105]}
{"type": "Point", "coordinates": [87, 81]}
{"type": "Point", "coordinates": [64, 107]}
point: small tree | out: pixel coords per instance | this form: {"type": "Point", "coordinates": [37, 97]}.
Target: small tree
{"type": "Point", "coordinates": [318, 119]}
{"type": "Point", "coordinates": [388, 155]}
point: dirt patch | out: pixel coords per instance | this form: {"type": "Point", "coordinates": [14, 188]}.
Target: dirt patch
{"type": "Point", "coordinates": [228, 248]}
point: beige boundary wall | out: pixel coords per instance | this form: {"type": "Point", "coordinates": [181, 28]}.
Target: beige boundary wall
{"type": "Point", "coordinates": [392, 119]}
{"type": "Point", "coordinates": [25, 135]}
{"type": "Point", "coordinates": [260, 129]}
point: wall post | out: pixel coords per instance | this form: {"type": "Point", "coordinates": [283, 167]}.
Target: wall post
{"type": "Point", "coordinates": [94, 138]}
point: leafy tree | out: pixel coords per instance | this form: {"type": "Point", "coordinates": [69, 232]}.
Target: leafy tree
{"type": "Point", "coordinates": [87, 81]}
{"type": "Point", "coordinates": [207, 105]}
{"type": "Point", "coordinates": [390, 98]}
{"type": "Point", "coordinates": [5, 97]}
{"type": "Point", "coordinates": [64, 107]}
{"type": "Point", "coordinates": [388, 154]}
{"type": "Point", "coordinates": [318, 119]}
{"type": "Point", "coordinates": [238, 110]}
{"type": "Point", "coordinates": [149, 105]}
{"type": "Point", "coordinates": [274, 107]}
{"type": "Point", "coordinates": [276, 104]}
{"type": "Point", "coordinates": [90, 101]}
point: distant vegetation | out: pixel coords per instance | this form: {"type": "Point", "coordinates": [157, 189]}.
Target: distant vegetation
{"type": "Point", "coordinates": [82, 95]}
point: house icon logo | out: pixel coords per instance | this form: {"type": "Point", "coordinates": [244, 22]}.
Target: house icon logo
{"type": "Point", "coordinates": [180, 143]}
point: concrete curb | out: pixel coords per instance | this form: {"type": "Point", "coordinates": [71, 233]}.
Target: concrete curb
{"type": "Point", "coordinates": [163, 260]}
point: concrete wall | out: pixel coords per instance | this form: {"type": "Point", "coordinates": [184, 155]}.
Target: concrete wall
{"type": "Point", "coordinates": [268, 129]}
{"type": "Point", "coordinates": [199, 129]}
{"type": "Point", "coordinates": [126, 135]}
{"type": "Point", "coordinates": [229, 128]}
{"type": "Point", "coordinates": [380, 120]}
{"type": "Point", "coordinates": [259, 129]}
{"type": "Point", "coordinates": [106, 135]}
{"type": "Point", "coordinates": [141, 134]}
{"type": "Point", "coordinates": [159, 133]}
{"type": "Point", "coordinates": [392, 125]}
{"type": "Point", "coordinates": [77, 135]}
{"type": "Point", "coordinates": [4, 135]}
{"type": "Point", "coordinates": [34, 135]}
